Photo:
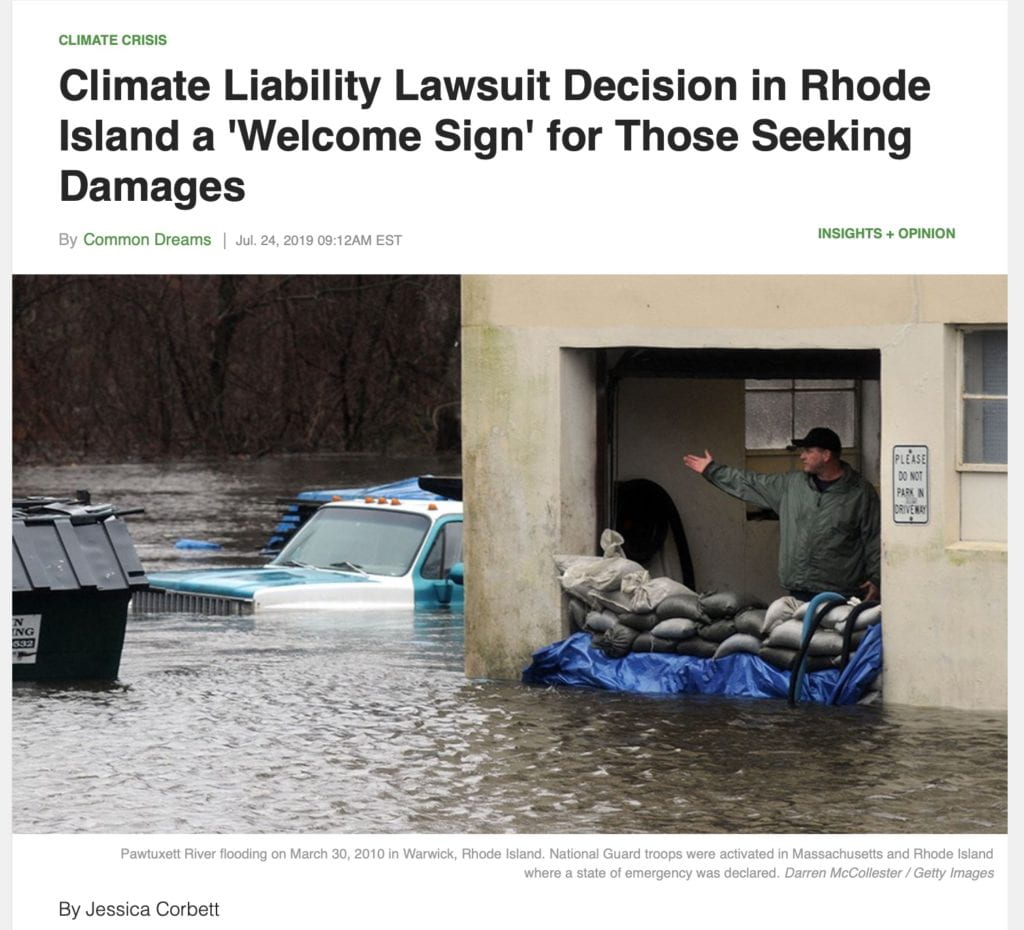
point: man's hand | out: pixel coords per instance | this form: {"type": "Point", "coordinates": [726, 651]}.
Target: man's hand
{"type": "Point", "coordinates": [698, 463]}
{"type": "Point", "coordinates": [871, 592]}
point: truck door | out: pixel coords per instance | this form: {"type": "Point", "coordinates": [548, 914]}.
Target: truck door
{"type": "Point", "coordinates": [433, 586]}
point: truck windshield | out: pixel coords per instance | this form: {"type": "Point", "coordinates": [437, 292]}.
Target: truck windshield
{"type": "Point", "coordinates": [357, 539]}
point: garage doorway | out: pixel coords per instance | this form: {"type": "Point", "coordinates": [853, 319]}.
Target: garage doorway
{"type": "Point", "coordinates": [744, 405]}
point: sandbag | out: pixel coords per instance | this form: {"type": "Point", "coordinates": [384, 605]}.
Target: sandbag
{"type": "Point", "coordinates": [680, 605]}
{"type": "Point", "coordinates": [599, 621]}
{"type": "Point", "coordinates": [721, 605]}
{"type": "Point", "coordinates": [696, 646]}
{"type": "Point", "coordinates": [790, 635]}
{"type": "Point", "coordinates": [787, 635]}
{"type": "Point", "coordinates": [676, 628]}
{"type": "Point", "coordinates": [717, 632]}
{"type": "Point", "coordinates": [835, 616]}
{"type": "Point", "coordinates": [597, 574]}
{"type": "Point", "coordinates": [780, 610]}
{"type": "Point", "coordinates": [583, 574]}
{"type": "Point", "coordinates": [867, 617]}
{"type": "Point", "coordinates": [750, 621]}
{"type": "Point", "coordinates": [783, 658]}
{"type": "Point", "coordinates": [612, 543]}
{"type": "Point", "coordinates": [615, 601]}
{"type": "Point", "coordinates": [616, 642]}
{"type": "Point", "coordinates": [642, 623]}
{"type": "Point", "coordinates": [577, 614]}
{"type": "Point", "coordinates": [825, 643]}
{"type": "Point", "coordinates": [738, 642]}
{"type": "Point", "coordinates": [648, 642]}
{"type": "Point", "coordinates": [777, 656]}
{"type": "Point", "coordinates": [646, 593]}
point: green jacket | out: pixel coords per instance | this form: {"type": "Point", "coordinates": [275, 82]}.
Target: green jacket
{"type": "Point", "coordinates": [828, 540]}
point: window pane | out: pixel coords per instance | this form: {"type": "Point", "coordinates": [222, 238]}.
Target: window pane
{"type": "Point", "coordinates": [452, 545]}
{"type": "Point", "coordinates": [432, 563]}
{"type": "Point", "coordinates": [985, 362]}
{"type": "Point", "coordinates": [985, 432]}
{"type": "Point", "coordinates": [834, 409]}
{"type": "Point", "coordinates": [381, 542]}
{"type": "Point", "coordinates": [805, 384]}
{"type": "Point", "coordinates": [446, 551]}
{"type": "Point", "coordinates": [769, 420]}
{"type": "Point", "coordinates": [769, 384]}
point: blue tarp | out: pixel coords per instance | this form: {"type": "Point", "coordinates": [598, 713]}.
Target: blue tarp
{"type": "Point", "coordinates": [407, 488]}
{"type": "Point", "coordinates": [292, 519]}
{"type": "Point", "coordinates": [196, 544]}
{"type": "Point", "coordinates": [575, 662]}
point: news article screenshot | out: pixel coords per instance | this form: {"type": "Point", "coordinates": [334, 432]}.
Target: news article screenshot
{"type": "Point", "coordinates": [474, 463]}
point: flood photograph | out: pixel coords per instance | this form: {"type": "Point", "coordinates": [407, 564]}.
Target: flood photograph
{"type": "Point", "coordinates": [422, 554]}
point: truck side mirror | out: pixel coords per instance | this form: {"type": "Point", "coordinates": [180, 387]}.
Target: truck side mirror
{"type": "Point", "coordinates": [457, 574]}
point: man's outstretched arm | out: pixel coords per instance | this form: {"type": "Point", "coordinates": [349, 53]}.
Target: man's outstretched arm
{"type": "Point", "coordinates": [750, 486]}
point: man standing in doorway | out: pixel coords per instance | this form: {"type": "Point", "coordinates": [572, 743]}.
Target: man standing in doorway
{"type": "Point", "coordinates": [828, 517]}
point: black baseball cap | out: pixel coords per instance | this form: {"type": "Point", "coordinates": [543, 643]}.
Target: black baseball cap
{"type": "Point", "coordinates": [821, 437]}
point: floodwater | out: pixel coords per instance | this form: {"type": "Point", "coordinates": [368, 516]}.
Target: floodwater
{"type": "Point", "coordinates": [333, 723]}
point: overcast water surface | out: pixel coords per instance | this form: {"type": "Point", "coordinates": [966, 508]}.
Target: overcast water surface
{"type": "Point", "coordinates": [334, 722]}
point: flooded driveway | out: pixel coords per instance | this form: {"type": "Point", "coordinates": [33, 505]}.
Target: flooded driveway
{"type": "Point", "coordinates": [336, 723]}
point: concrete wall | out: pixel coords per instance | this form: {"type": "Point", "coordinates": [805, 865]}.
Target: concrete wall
{"type": "Point", "coordinates": [944, 601]}
{"type": "Point", "coordinates": [661, 419]}
{"type": "Point", "coordinates": [531, 455]}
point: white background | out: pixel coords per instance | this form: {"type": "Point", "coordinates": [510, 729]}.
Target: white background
{"type": "Point", "coordinates": [537, 212]}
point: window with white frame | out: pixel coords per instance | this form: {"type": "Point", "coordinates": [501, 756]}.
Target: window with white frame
{"type": "Point", "coordinates": [983, 398]}
{"type": "Point", "coordinates": [982, 447]}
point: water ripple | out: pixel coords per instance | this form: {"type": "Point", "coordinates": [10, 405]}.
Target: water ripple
{"type": "Point", "coordinates": [293, 723]}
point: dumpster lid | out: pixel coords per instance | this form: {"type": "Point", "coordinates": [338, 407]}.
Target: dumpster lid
{"type": "Point", "coordinates": [69, 544]}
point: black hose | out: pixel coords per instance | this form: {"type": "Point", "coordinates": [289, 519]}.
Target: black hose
{"type": "Point", "coordinates": [844, 656]}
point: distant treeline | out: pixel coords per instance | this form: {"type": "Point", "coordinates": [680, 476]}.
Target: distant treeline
{"type": "Point", "coordinates": [123, 366]}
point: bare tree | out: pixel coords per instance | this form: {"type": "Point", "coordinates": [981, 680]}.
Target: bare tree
{"type": "Point", "coordinates": [169, 366]}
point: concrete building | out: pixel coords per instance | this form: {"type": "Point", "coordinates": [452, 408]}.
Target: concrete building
{"type": "Point", "coordinates": [573, 384]}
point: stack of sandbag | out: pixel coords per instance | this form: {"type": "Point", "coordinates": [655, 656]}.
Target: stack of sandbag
{"type": "Point", "coordinates": [584, 577]}
{"type": "Point", "coordinates": [782, 633]}
{"type": "Point", "coordinates": [625, 610]}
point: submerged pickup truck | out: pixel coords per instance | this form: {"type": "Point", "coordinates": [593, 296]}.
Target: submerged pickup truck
{"type": "Point", "coordinates": [378, 552]}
